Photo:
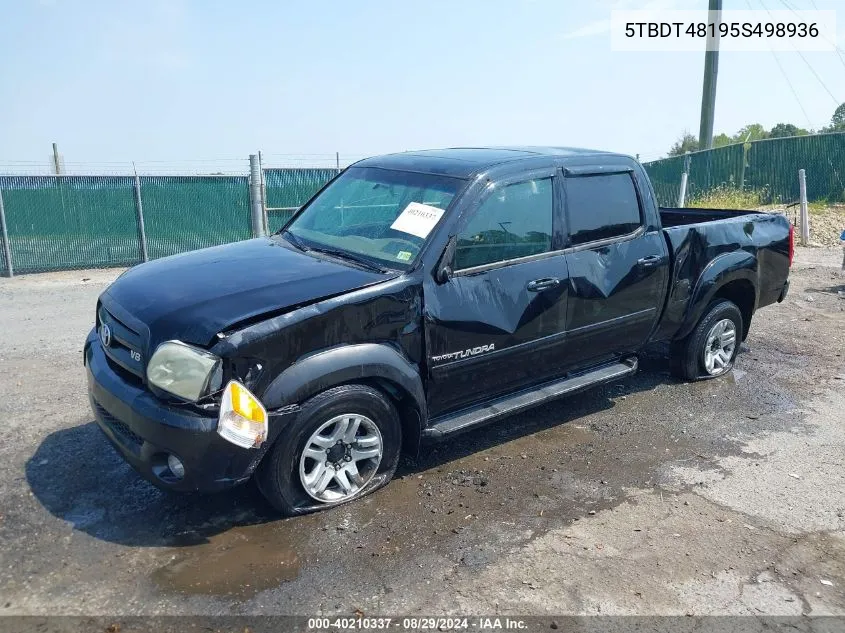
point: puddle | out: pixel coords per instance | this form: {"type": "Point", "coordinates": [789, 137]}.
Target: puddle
{"type": "Point", "coordinates": [240, 562]}
{"type": "Point", "coordinates": [466, 501]}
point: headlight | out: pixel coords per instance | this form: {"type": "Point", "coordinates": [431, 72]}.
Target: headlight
{"type": "Point", "coordinates": [243, 419]}
{"type": "Point", "coordinates": [183, 370]}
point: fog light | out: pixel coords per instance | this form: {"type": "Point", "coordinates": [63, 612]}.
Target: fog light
{"type": "Point", "coordinates": [176, 466]}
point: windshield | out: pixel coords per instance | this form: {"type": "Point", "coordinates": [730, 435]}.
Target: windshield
{"type": "Point", "coordinates": [380, 214]}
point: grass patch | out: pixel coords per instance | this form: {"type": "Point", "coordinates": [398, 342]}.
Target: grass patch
{"type": "Point", "coordinates": [730, 198]}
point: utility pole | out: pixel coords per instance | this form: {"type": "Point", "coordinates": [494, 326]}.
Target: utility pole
{"type": "Point", "coordinates": [56, 162]}
{"type": "Point", "coordinates": [711, 71]}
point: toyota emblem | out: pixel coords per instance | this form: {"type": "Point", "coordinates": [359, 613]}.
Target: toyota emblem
{"type": "Point", "coordinates": [105, 335]}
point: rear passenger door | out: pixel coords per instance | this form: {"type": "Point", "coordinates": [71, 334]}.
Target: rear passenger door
{"type": "Point", "coordinates": [617, 262]}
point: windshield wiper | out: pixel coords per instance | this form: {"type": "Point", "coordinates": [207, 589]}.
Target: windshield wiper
{"type": "Point", "coordinates": [350, 257]}
{"type": "Point", "coordinates": [293, 239]}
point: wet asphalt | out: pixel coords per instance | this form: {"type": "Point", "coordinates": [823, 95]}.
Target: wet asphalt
{"type": "Point", "coordinates": [650, 479]}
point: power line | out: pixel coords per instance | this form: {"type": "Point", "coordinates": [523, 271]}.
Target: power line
{"type": "Point", "coordinates": [791, 87]}
{"type": "Point", "coordinates": [783, 72]}
{"type": "Point", "coordinates": [785, 76]}
{"type": "Point", "coordinates": [816, 75]}
{"type": "Point", "coordinates": [800, 54]}
{"type": "Point", "coordinates": [836, 48]}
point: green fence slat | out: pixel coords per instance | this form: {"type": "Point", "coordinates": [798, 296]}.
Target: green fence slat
{"type": "Point", "coordinates": [291, 188]}
{"type": "Point", "coordinates": [184, 213]}
{"type": "Point", "coordinates": [768, 167]}
{"type": "Point", "coordinates": [67, 222]}
{"type": "Point", "coordinates": [665, 176]}
{"type": "Point", "coordinates": [70, 222]}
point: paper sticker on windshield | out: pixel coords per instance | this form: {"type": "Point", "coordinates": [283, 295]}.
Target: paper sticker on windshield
{"type": "Point", "coordinates": [403, 256]}
{"type": "Point", "coordinates": [417, 219]}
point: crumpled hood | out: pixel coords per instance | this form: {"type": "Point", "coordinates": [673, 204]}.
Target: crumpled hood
{"type": "Point", "coordinates": [193, 296]}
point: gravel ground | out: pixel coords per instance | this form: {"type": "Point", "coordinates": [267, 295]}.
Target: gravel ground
{"type": "Point", "coordinates": [826, 223]}
{"type": "Point", "coordinates": [648, 496]}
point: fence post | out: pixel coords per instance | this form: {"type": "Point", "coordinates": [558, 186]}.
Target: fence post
{"type": "Point", "coordinates": [682, 194]}
{"type": "Point", "coordinates": [139, 211]}
{"type": "Point", "coordinates": [265, 221]}
{"type": "Point", "coordinates": [255, 196]}
{"type": "Point", "coordinates": [7, 250]}
{"type": "Point", "coordinates": [805, 215]}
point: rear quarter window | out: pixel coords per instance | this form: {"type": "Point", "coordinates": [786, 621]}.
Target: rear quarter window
{"type": "Point", "coordinates": [600, 207]}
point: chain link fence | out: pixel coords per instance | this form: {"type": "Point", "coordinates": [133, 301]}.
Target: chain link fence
{"type": "Point", "coordinates": [55, 223]}
{"type": "Point", "coordinates": [768, 168]}
{"type": "Point", "coordinates": [287, 189]}
{"type": "Point", "coordinates": [184, 213]}
{"type": "Point", "coordinates": [52, 223]}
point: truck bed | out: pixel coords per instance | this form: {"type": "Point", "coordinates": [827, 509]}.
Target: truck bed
{"type": "Point", "coordinates": [672, 216]}
{"type": "Point", "coordinates": [756, 242]}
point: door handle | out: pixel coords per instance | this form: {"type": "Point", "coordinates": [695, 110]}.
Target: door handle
{"type": "Point", "coordinates": [651, 260]}
{"type": "Point", "coordinates": [538, 285]}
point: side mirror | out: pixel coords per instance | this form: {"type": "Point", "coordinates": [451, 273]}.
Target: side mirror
{"type": "Point", "coordinates": [443, 271]}
{"type": "Point", "coordinates": [443, 275]}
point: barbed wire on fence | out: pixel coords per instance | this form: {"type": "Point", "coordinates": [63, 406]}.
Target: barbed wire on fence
{"type": "Point", "coordinates": [212, 166]}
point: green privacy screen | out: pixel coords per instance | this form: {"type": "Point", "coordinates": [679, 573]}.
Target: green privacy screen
{"type": "Point", "coordinates": [71, 222]}
{"type": "Point", "coordinates": [56, 223]}
{"type": "Point", "coordinates": [184, 213]}
{"type": "Point", "coordinates": [288, 189]}
{"type": "Point", "coordinates": [769, 167]}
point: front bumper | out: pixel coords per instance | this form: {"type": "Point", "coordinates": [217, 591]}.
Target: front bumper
{"type": "Point", "coordinates": [146, 430]}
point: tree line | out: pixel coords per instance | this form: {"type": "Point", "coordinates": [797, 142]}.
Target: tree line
{"type": "Point", "coordinates": [756, 132]}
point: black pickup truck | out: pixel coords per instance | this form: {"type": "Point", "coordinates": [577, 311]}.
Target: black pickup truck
{"type": "Point", "coordinates": [415, 296]}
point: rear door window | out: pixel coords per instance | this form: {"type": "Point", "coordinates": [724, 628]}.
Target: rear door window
{"type": "Point", "coordinates": [599, 207]}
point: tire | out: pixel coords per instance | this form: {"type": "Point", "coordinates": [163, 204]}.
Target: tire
{"type": "Point", "coordinates": [327, 419]}
{"type": "Point", "coordinates": [689, 356]}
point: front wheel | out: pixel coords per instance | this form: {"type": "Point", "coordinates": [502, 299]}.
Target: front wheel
{"type": "Point", "coordinates": [343, 444]}
{"type": "Point", "coordinates": [712, 347]}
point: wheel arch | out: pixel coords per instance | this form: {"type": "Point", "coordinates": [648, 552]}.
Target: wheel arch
{"type": "Point", "coordinates": [732, 276]}
{"type": "Point", "coordinates": [377, 365]}
{"type": "Point", "coordinates": [741, 292]}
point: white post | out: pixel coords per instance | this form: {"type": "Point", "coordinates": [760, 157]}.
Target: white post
{"type": "Point", "coordinates": [255, 196]}
{"type": "Point", "coordinates": [265, 222]}
{"type": "Point", "coordinates": [139, 215]}
{"type": "Point", "coordinates": [805, 215]}
{"type": "Point", "coordinates": [682, 194]}
{"type": "Point", "coordinates": [7, 249]}
{"type": "Point", "coordinates": [57, 164]}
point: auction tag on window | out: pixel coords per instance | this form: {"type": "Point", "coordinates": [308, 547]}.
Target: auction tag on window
{"type": "Point", "coordinates": [417, 219]}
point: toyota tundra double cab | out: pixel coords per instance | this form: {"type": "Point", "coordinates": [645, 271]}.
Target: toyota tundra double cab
{"type": "Point", "coordinates": [415, 296]}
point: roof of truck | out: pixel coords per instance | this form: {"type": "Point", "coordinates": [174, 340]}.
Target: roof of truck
{"type": "Point", "coordinates": [464, 162]}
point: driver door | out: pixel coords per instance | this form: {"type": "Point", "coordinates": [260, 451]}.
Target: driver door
{"type": "Point", "coordinates": [498, 324]}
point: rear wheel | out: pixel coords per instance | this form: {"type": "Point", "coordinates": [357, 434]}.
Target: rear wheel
{"type": "Point", "coordinates": [711, 348]}
{"type": "Point", "coordinates": [343, 444]}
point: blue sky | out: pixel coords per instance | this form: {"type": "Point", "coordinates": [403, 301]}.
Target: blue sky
{"type": "Point", "coordinates": [176, 83]}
